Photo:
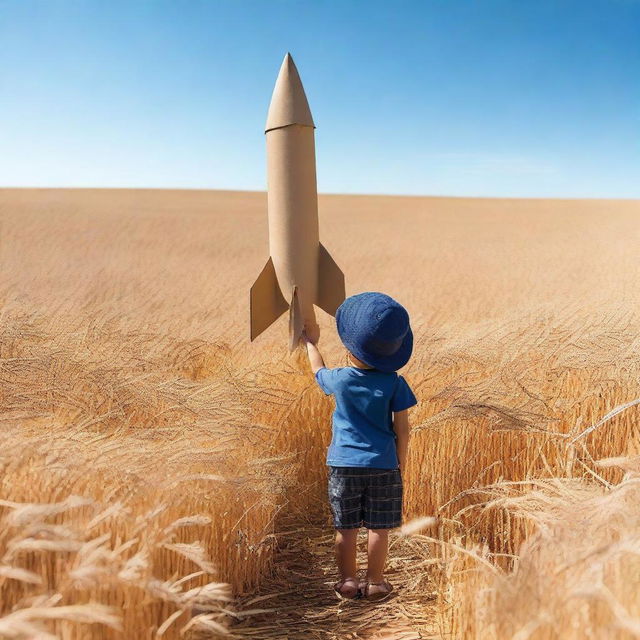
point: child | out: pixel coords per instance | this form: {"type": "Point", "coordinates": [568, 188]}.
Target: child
{"type": "Point", "coordinates": [370, 434]}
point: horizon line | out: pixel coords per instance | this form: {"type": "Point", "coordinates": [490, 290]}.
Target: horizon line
{"type": "Point", "coordinates": [323, 193]}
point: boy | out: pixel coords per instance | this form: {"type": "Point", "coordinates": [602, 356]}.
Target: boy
{"type": "Point", "coordinates": [370, 434]}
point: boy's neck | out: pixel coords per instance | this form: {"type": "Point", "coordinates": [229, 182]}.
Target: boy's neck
{"type": "Point", "coordinates": [358, 364]}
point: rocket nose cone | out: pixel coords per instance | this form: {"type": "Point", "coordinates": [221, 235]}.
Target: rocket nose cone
{"type": "Point", "coordinates": [289, 102]}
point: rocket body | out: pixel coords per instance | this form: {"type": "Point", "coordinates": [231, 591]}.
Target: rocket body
{"type": "Point", "coordinates": [292, 202]}
{"type": "Point", "coordinates": [299, 272]}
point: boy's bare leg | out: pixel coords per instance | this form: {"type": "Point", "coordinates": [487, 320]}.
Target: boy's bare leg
{"type": "Point", "coordinates": [378, 544]}
{"type": "Point", "coordinates": [346, 540]}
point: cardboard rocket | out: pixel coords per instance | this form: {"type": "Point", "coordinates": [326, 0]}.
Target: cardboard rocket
{"type": "Point", "coordinates": [300, 272]}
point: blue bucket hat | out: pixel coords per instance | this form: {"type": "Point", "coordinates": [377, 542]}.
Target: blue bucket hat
{"type": "Point", "coordinates": [375, 328]}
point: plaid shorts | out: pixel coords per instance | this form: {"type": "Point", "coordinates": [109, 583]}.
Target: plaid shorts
{"type": "Point", "coordinates": [362, 496]}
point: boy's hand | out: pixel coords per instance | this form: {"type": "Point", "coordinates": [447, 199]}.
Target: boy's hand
{"type": "Point", "coordinates": [315, 358]}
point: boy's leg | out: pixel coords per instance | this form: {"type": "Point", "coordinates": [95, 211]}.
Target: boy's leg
{"type": "Point", "coordinates": [382, 512]}
{"type": "Point", "coordinates": [378, 545]}
{"type": "Point", "coordinates": [345, 498]}
{"type": "Point", "coordinates": [346, 540]}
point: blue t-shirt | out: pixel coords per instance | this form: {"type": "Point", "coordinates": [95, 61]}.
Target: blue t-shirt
{"type": "Point", "coordinates": [363, 434]}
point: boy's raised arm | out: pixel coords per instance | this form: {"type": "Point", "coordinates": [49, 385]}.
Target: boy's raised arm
{"type": "Point", "coordinates": [315, 358]}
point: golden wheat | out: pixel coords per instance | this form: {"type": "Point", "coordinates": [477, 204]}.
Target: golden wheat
{"type": "Point", "coordinates": [150, 458]}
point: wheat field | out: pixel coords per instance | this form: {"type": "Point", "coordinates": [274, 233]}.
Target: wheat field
{"type": "Point", "coordinates": [163, 477]}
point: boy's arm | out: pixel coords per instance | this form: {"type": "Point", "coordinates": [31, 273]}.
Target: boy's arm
{"type": "Point", "coordinates": [401, 427]}
{"type": "Point", "coordinates": [315, 358]}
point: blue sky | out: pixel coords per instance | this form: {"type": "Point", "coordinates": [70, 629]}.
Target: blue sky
{"type": "Point", "coordinates": [451, 97]}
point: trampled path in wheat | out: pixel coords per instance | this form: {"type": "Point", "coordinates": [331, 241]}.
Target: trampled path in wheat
{"type": "Point", "coordinates": [302, 603]}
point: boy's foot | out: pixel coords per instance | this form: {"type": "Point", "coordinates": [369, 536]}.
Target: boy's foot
{"type": "Point", "coordinates": [347, 588]}
{"type": "Point", "coordinates": [375, 590]}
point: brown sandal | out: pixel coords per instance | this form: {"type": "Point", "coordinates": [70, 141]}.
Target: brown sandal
{"type": "Point", "coordinates": [337, 587]}
{"type": "Point", "coordinates": [378, 595]}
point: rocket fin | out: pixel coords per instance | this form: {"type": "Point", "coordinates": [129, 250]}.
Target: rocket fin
{"type": "Point", "coordinates": [267, 301]}
{"type": "Point", "coordinates": [330, 283]}
{"type": "Point", "coordinates": [296, 320]}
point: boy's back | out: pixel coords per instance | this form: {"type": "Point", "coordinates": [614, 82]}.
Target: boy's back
{"type": "Point", "coordinates": [362, 430]}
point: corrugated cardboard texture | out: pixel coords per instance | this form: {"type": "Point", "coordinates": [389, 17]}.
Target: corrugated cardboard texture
{"type": "Point", "coordinates": [300, 270]}
{"type": "Point", "coordinates": [292, 201]}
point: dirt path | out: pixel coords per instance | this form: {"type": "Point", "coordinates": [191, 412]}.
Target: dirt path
{"type": "Point", "coordinates": [303, 605]}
